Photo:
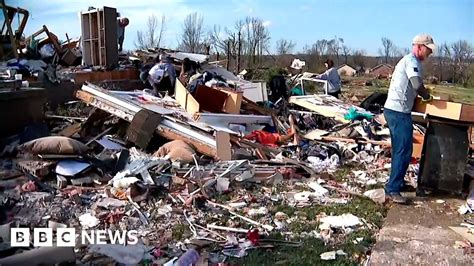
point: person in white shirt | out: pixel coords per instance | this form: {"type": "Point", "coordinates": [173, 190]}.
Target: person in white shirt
{"type": "Point", "coordinates": [162, 76]}
{"type": "Point", "coordinates": [405, 85]}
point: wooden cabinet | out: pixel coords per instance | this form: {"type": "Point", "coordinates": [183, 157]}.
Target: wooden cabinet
{"type": "Point", "coordinates": [99, 37]}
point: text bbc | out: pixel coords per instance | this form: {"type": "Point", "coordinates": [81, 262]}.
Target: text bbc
{"type": "Point", "coordinates": [66, 237]}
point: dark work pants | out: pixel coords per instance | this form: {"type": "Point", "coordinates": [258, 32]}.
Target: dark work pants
{"type": "Point", "coordinates": [335, 94]}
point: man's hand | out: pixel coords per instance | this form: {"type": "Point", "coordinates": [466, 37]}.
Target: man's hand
{"type": "Point", "coordinates": [430, 89]}
{"type": "Point", "coordinates": [429, 99]}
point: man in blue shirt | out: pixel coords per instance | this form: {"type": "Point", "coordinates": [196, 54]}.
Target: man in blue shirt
{"type": "Point", "coordinates": [406, 84]}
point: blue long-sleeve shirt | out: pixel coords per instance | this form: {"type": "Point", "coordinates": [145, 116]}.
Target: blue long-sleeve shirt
{"type": "Point", "coordinates": [333, 80]}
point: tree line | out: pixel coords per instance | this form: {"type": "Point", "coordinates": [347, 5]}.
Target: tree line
{"type": "Point", "coordinates": [247, 44]}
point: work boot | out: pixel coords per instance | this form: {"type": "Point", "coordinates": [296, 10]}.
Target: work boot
{"type": "Point", "coordinates": [397, 198]}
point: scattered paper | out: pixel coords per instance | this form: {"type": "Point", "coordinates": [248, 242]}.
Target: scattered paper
{"type": "Point", "coordinates": [222, 184]}
{"type": "Point", "coordinates": [331, 255]}
{"type": "Point", "coordinates": [319, 190]}
{"type": "Point", "coordinates": [259, 211]}
{"type": "Point", "coordinates": [341, 221]}
{"type": "Point", "coordinates": [377, 195]}
{"type": "Point", "coordinates": [87, 220]}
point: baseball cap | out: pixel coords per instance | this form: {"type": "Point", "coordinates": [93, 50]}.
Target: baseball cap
{"type": "Point", "coordinates": [426, 40]}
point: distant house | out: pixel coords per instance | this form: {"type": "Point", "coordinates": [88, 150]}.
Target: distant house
{"type": "Point", "coordinates": [381, 71]}
{"type": "Point", "coordinates": [346, 70]}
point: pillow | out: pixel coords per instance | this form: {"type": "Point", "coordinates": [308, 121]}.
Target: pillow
{"type": "Point", "coordinates": [177, 150]}
{"type": "Point", "coordinates": [54, 145]}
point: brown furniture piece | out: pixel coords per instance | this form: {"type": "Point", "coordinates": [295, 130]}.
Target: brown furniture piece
{"type": "Point", "coordinates": [99, 37]}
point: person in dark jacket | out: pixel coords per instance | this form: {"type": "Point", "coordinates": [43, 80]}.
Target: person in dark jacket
{"type": "Point", "coordinates": [278, 87]}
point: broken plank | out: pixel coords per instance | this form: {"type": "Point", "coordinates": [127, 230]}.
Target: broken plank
{"type": "Point", "coordinates": [70, 130]}
{"type": "Point", "coordinates": [228, 229]}
{"type": "Point", "coordinates": [375, 142]}
{"type": "Point", "coordinates": [463, 231]}
{"type": "Point", "coordinates": [224, 148]}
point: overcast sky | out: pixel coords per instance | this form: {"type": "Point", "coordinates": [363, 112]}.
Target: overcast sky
{"type": "Point", "coordinates": [361, 23]}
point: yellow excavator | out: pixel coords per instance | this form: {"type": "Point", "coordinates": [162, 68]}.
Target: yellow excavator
{"type": "Point", "coordinates": [10, 38]}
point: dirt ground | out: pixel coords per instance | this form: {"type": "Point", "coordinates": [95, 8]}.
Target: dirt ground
{"type": "Point", "coordinates": [419, 234]}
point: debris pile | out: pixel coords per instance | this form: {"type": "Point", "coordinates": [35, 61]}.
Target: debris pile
{"type": "Point", "coordinates": [203, 171]}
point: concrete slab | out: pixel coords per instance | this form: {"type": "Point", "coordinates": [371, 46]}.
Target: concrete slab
{"type": "Point", "coordinates": [419, 234]}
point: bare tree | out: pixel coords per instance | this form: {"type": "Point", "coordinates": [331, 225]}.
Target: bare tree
{"type": "Point", "coordinates": [284, 46]}
{"type": "Point", "coordinates": [335, 47]}
{"type": "Point", "coordinates": [228, 38]}
{"type": "Point", "coordinates": [359, 57]}
{"type": "Point", "coordinates": [346, 51]}
{"type": "Point", "coordinates": [443, 56]}
{"type": "Point", "coordinates": [321, 47]}
{"type": "Point", "coordinates": [462, 55]}
{"type": "Point", "coordinates": [315, 53]}
{"type": "Point", "coordinates": [152, 37]}
{"type": "Point", "coordinates": [388, 49]}
{"type": "Point", "coordinates": [193, 34]}
{"type": "Point", "coordinates": [257, 38]}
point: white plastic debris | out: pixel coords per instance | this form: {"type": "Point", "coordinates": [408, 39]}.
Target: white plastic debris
{"type": "Point", "coordinates": [463, 209]}
{"type": "Point", "coordinates": [222, 184]}
{"type": "Point", "coordinates": [377, 195]}
{"type": "Point", "coordinates": [165, 210]}
{"type": "Point", "coordinates": [125, 182]}
{"type": "Point", "coordinates": [331, 255]}
{"type": "Point", "coordinates": [319, 190]}
{"type": "Point", "coordinates": [341, 252]}
{"type": "Point", "coordinates": [297, 64]}
{"type": "Point", "coordinates": [138, 163]}
{"type": "Point", "coordinates": [303, 196]}
{"type": "Point", "coordinates": [87, 220]}
{"type": "Point", "coordinates": [129, 255]}
{"type": "Point", "coordinates": [319, 165]}
{"type": "Point", "coordinates": [341, 221]}
{"type": "Point", "coordinates": [259, 211]}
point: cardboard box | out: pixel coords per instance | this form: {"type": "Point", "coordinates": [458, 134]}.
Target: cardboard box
{"type": "Point", "coordinates": [208, 99]}
{"type": "Point", "coordinates": [418, 140]}
{"type": "Point", "coordinates": [446, 109]}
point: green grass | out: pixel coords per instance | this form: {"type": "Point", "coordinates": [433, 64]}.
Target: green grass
{"type": "Point", "coordinates": [307, 254]}
{"type": "Point", "coordinates": [455, 93]}
{"type": "Point", "coordinates": [311, 249]}
{"type": "Point", "coordinates": [180, 231]}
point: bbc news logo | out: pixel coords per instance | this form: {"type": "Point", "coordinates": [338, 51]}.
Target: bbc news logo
{"type": "Point", "coordinates": [66, 237]}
